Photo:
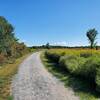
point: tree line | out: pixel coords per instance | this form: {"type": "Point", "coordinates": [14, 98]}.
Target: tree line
{"type": "Point", "coordinates": [91, 35]}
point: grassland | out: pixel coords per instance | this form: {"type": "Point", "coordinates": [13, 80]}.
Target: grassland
{"type": "Point", "coordinates": [6, 73]}
{"type": "Point", "coordinates": [75, 75]}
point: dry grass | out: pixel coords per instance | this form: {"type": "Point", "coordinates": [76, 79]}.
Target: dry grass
{"type": "Point", "coordinates": [6, 73]}
{"type": "Point", "coordinates": [74, 51]}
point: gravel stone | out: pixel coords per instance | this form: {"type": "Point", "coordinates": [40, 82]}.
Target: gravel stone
{"type": "Point", "coordinates": [34, 82]}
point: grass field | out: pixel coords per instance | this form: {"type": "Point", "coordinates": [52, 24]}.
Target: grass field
{"type": "Point", "coordinates": [6, 73]}
{"type": "Point", "coordinates": [74, 51]}
{"type": "Point", "coordinates": [83, 87]}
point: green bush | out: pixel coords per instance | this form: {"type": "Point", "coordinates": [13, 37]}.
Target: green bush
{"type": "Point", "coordinates": [53, 56]}
{"type": "Point", "coordinates": [88, 69]}
{"type": "Point", "coordinates": [98, 80]}
{"type": "Point", "coordinates": [72, 63]}
{"type": "Point", "coordinates": [85, 54]}
{"type": "Point", "coordinates": [85, 65]}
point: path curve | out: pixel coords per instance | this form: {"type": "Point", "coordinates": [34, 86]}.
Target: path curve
{"type": "Point", "coordinates": [34, 82]}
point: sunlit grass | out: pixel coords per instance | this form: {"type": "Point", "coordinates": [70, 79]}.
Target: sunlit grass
{"type": "Point", "coordinates": [6, 73]}
{"type": "Point", "coordinates": [81, 87]}
{"type": "Point", "coordinates": [74, 51]}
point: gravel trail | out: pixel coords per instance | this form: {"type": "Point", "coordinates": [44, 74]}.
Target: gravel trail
{"type": "Point", "coordinates": [34, 82]}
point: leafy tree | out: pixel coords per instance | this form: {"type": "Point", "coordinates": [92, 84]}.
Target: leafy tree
{"type": "Point", "coordinates": [48, 46]}
{"type": "Point", "coordinates": [6, 36]}
{"type": "Point", "coordinates": [92, 34]}
{"type": "Point", "coordinates": [9, 45]}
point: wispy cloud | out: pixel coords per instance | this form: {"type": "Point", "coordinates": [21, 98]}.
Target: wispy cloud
{"type": "Point", "coordinates": [61, 43]}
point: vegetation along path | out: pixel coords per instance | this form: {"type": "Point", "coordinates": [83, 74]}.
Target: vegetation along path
{"type": "Point", "coordinates": [34, 82]}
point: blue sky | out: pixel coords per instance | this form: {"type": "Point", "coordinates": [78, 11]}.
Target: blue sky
{"type": "Point", "coordinates": [62, 22]}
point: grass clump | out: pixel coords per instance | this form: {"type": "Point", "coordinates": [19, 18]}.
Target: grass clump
{"type": "Point", "coordinates": [82, 66]}
{"type": "Point", "coordinates": [6, 74]}
{"type": "Point", "coordinates": [71, 63]}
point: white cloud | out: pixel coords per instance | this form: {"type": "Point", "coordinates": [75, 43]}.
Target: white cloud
{"type": "Point", "coordinates": [62, 43]}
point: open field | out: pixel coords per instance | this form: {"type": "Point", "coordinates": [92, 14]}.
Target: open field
{"type": "Point", "coordinates": [77, 68]}
{"type": "Point", "coordinates": [64, 37]}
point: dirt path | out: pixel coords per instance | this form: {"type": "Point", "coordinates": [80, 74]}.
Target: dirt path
{"type": "Point", "coordinates": [34, 82]}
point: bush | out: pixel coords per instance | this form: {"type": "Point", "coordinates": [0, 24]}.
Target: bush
{"type": "Point", "coordinates": [53, 56]}
{"type": "Point", "coordinates": [72, 63]}
{"type": "Point", "coordinates": [85, 54]}
{"type": "Point", "coordinates": [84, 64]}
{"type": "Point", "coordinates": [85, 67]}
{"type": "Point", "coordinates": [88, 69]}
{"type": "Point", "coordinates": [98, 80]}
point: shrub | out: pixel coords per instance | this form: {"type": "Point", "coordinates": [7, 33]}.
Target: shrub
{"type": "Point", "coordinates": [85, 54]}
{"type": "Point", "coordinates": [79, 63]}
{"type": "Point", "coordinates": [88, 69]}
{"type": "Point", "coordinates": [53, 56]}
{"type": "Point", "coordinates": [85, 67]}
{"type": "Point", "coordinates": [98, 80]}
{"type": "Point", "coordinates": [72, 63]}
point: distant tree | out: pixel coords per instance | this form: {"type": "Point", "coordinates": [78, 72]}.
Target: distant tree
{"type": "Point", "coordinates": [96, 47]}
{"type": "Point", "coordinates": [48, 46]}
{"type": "Point", "coordinates": [92, 34]}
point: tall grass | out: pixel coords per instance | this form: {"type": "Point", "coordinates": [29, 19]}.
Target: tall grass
{"type": "Point", "coordinates": [6, 74]}
{"type": "Point", "coordinates": [81, 63]}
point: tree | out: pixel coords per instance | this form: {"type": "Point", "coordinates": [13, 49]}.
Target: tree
{"type": "Point", "coordinates": [7, 38]}
{"type": "Point", "coordinates": [92, 34]}
{"type": "Point", "coordinates": [10, 48]}
{"type": "Point", "coordinates": [48, 46]}
{"type": "Point", "coordinates": [9, 44]}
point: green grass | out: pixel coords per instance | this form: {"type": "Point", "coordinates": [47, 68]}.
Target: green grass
{"type": "Point", "coordinates": [6, 73]}
{"type": "Point", "coordinates": [82, 88]}
{"type": "Point", "coordinates": [10, 98]}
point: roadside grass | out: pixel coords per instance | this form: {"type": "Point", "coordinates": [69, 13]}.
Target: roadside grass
{"type": "Point", "coordinates": [6, 73]}
{"type": "Point", "coordinates": [82, 88]}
